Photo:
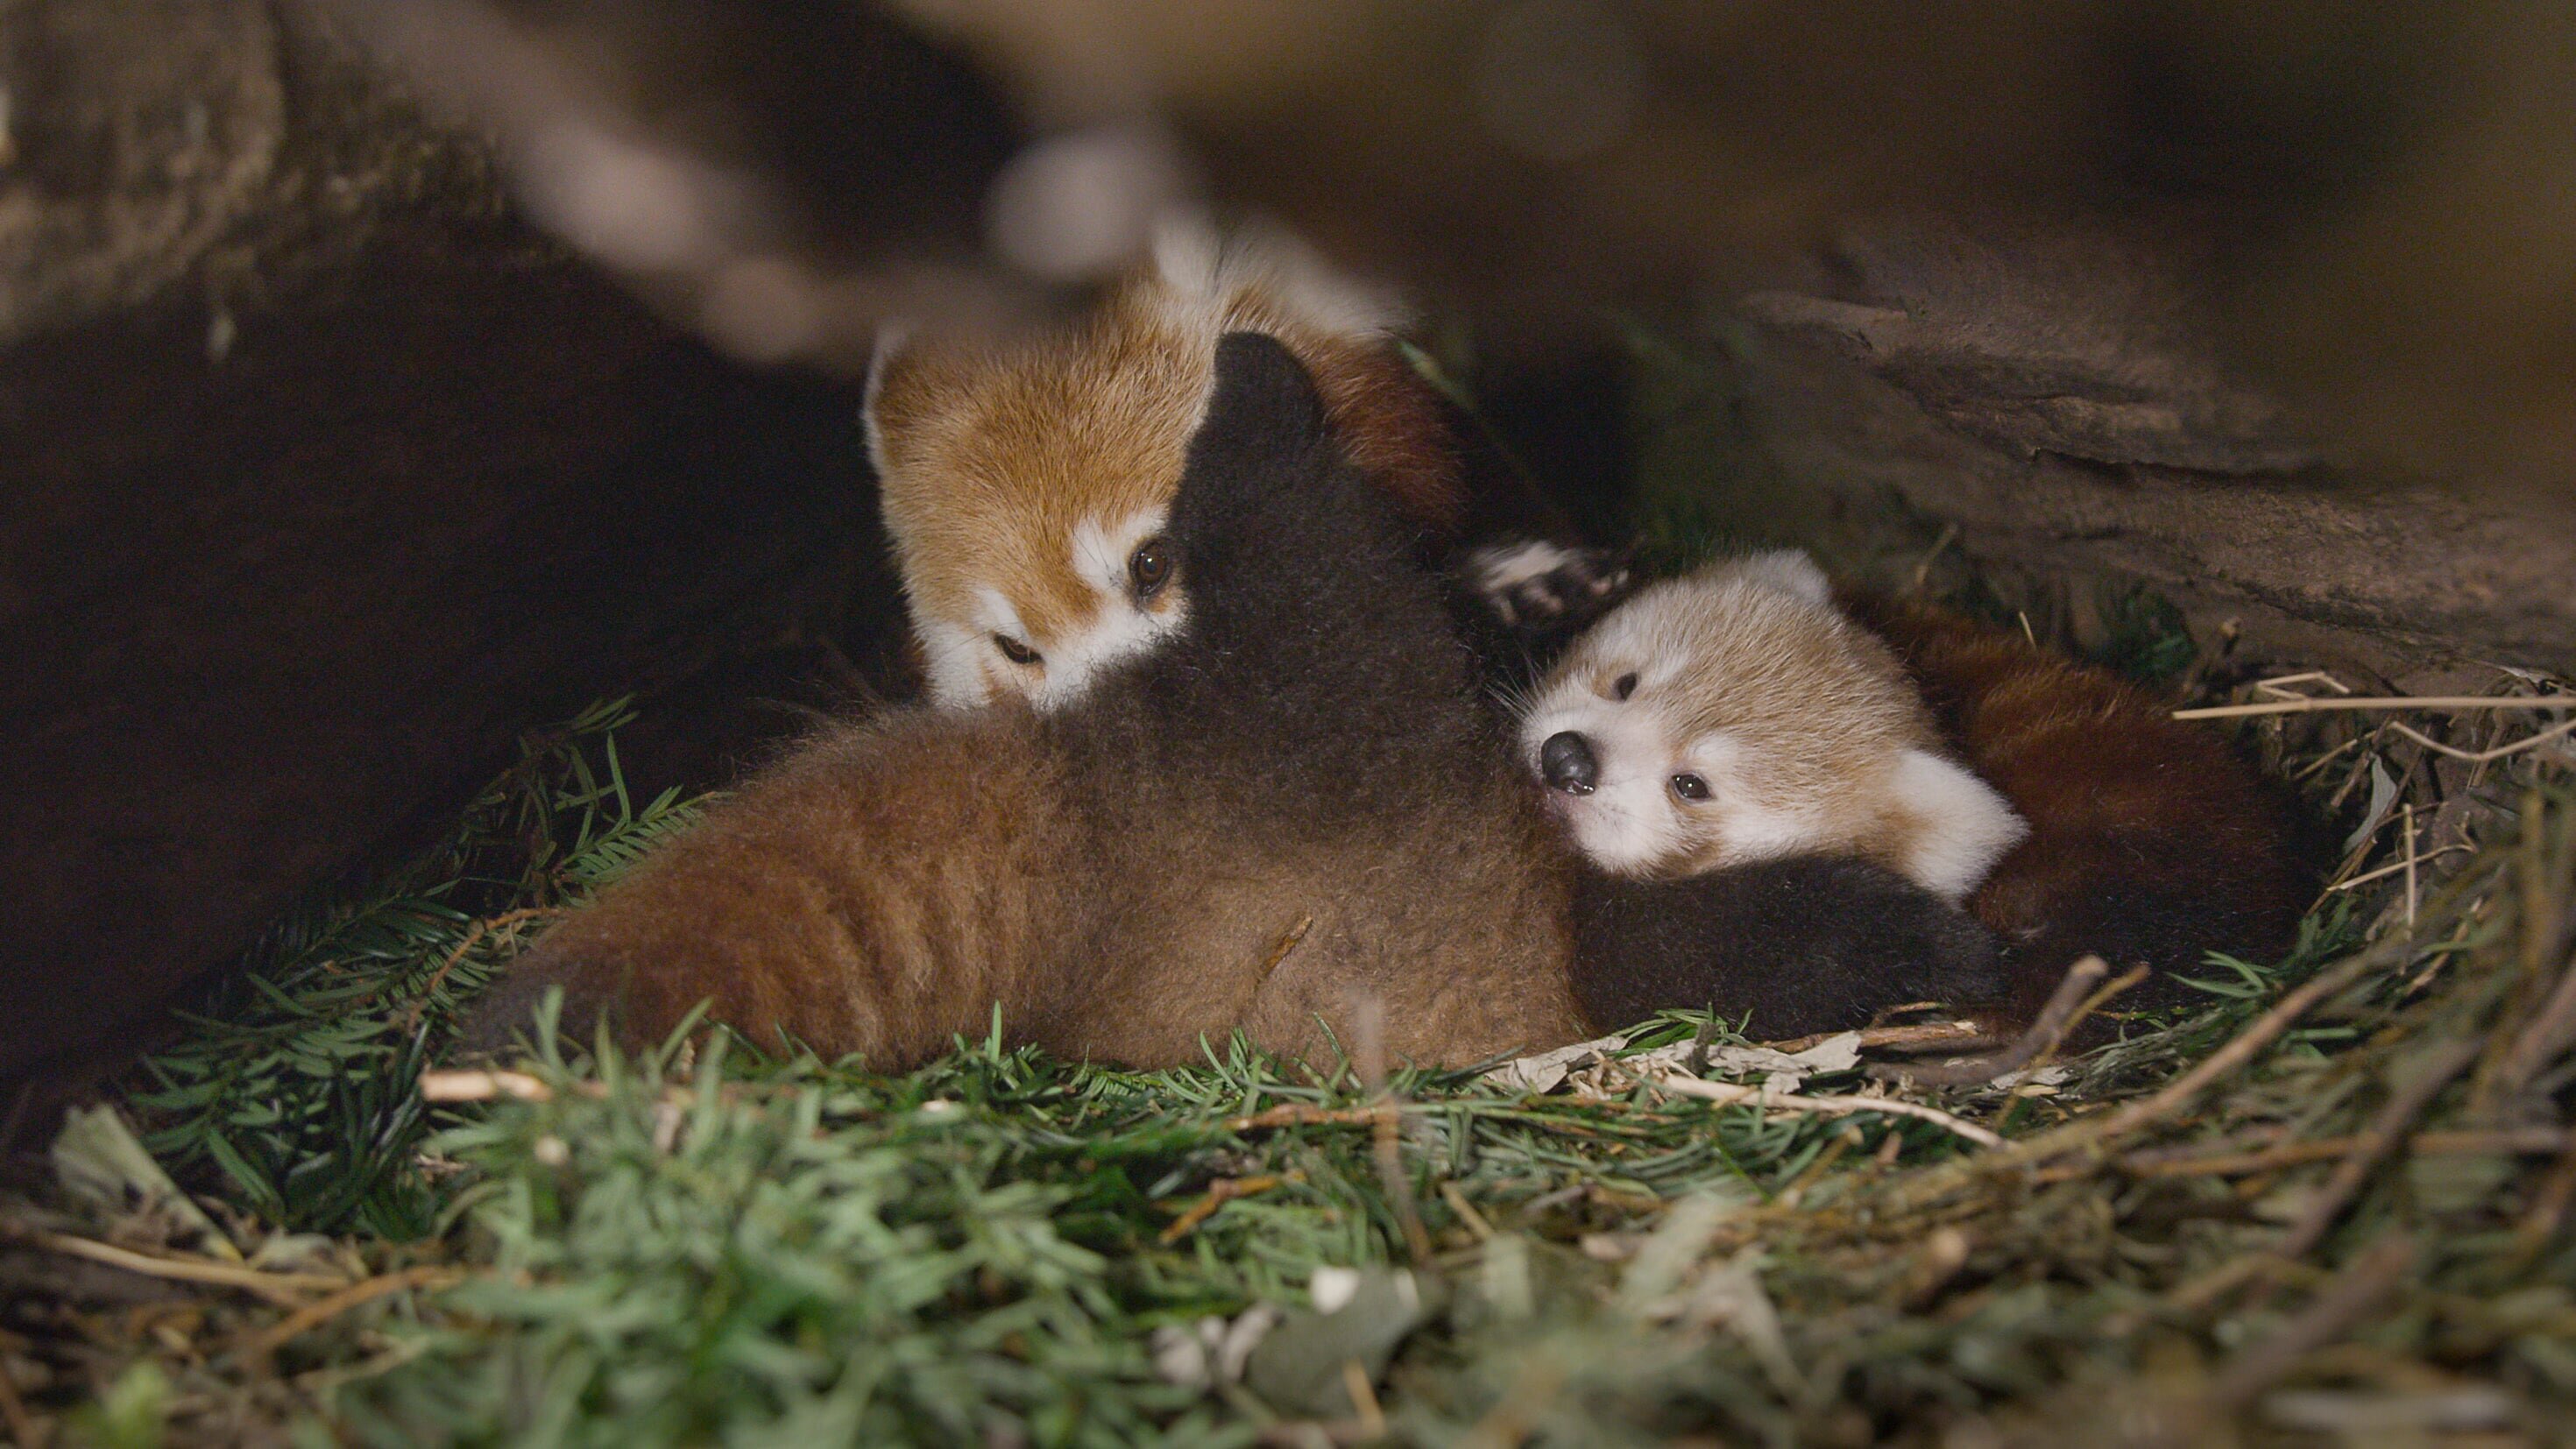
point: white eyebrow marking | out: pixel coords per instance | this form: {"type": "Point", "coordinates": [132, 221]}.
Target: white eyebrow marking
{"type": "Point", "coordinates": [1100, 554]}
{"type": "Point", "coordinates": [1119, 629]}
{"type": "Point", "coordinates": [994, 612]}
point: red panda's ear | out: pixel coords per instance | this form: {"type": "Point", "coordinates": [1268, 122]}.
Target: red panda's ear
{"type": "Point", "coordinates": [1262, 400]}
{"type": "Point", "coordinates": [886, 360]}
{"type": "Point", "coordinates": [1792, 571]}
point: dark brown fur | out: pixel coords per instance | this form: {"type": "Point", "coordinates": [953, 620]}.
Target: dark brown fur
{"type": "Point", "coordinates": [1293, 809]}
{"type": "Point", "coordinates": [2150, 840]}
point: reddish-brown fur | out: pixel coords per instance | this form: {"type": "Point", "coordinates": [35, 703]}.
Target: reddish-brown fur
{"type": "Point", "coordinates": [1393, 426]}
{"type": "Point", "coordinates": [1292, 810]}
{"type": "Point", "coordinates": [859, 896]}
{"type": "Point", "coordinates": [2151, 840]}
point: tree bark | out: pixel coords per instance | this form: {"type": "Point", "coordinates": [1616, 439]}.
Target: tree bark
{"type": "Point", "coordinates": [324, 477]}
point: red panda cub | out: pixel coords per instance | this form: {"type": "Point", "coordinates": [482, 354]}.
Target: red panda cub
{"type": "Point", "coordinates": [1294, 804]}
{"type": "Point", "coordinates": [1735, 715]}
{"type": "Point", "coordinates": [2151, 841]}
{"type": "Point", "coordinates": [1028, 482]}
{"type": "Point", "coordinates": [1741, 713]}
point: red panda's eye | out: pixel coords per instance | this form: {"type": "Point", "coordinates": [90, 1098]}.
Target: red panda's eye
{"type": "Point", "coordinates": [1690, 787]}
{"type": "Point", "coordinates": [1149, 567]}
{"type": "Point", "coordinates": [1626, 686]}
{"type": "Point", "coordinates": [1015, 651]}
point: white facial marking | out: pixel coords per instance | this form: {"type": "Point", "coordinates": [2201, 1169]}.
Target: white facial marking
{"type": "Point", "coordinates": [1966, 825]}
{"type": "Point", "coordinates": [1120, 627]}
{"type": "Point", "coordinates": [1629, 820]}
{"type": "Point", "coordinates": [953, 658]}
{"type": "Point", "coordinates": [1722, 628]}
{"type": "Point", "coordinates": [1789, 570]}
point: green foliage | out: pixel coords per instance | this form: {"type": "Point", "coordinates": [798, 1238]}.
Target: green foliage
{"type": "Point", "coordinates": [770, 1249]}
{"type": "Point", "coordinates": [295, 1088]}
{"type": "Point", "coordinates": [2144, 635]}
{"type": "Point", "coordinates": [710, 1244]}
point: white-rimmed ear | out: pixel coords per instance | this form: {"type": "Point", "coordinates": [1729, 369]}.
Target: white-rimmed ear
{"type": "Point", "coordinates": [892, 335]}
{"type": "Point", "coordinates": [1203, 267]}
{"type": "Point", "coordinates": [1964, 825]}
{"type": "Point", "coordinates": [1790, 570]}
{"type": "Point", "coordinates": [1189, 254]}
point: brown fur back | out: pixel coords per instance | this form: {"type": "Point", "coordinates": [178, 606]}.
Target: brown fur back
{"type": "Point", "coordinates": [858, 899]}
{"type": "Point", "coordinates": [2150, 839]}
{"type": "Point", "coordinates": [1291, 815]}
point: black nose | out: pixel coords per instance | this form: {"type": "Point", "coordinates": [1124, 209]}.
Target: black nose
{"type": "Point", "coordinates": [1566, 763]}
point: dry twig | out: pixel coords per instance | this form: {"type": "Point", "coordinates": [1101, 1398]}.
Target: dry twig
{"type": "Point", "coordinates": [1730, 1093]}
{"type": "Point", "coordinates": [285, 1289]}
{"type": "Point", "coordinates": [2246, 1044]}
{"type": "Point", "coordinates": [476, 1085]}
{"type": "Point", "coordinates": [2353, 1293]}
{"type": "Point", "coordinates": [2316, 705]}
{"type": "Point", "coordinates": [1929, 1036]}
{"type": "Point", "coordinates": [1306, 1114]}
{"type": "Point", "coordinates": [2076, 998]}
{"type": "Point", "coordinates": [313, 1315]}
{"type": "Point", "coordinates": [486, 926]}
{"type": "Point", "coordinates": [1220, 1192]}
{"type": "Point", "coordinates": [2480, 757]}
{"type": "Point", "coordinates": [2372, 1147]}
{"type": "Point", "coordinates": [2519, 1142]}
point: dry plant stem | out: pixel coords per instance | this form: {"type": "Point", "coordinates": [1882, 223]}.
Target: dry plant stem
{"type": "Point", "coordinates": [1730, 1093]}
{"type": "Point", "coordinates": [2410, 864]}
{"type": "Point", "coordinates": [2246, 1044]}
{"type": "Point", "coordinates": [1303, 1114]}
{"type": "Point", "coordinates": [2352, 1294]}
{"type": "Point", "coordinates": [2278, 685]}
{"type": "Point", "coordinates": [2073, 1000]}
{"type": "Point", "coordinates": [2382, 1137]}
{"type": "Point", "coordinates": [2548, 1206]}
{"type": "Point", "coordinates": [2199, 1294]}
{"type": "Point", "coordinates": [2541, 1042]}
{"type": "Point", "coordinates": [1355, 1382]}
{"type": "Point", "coordinates": [2384, 702]}
{"type": "Point", "coordinates": [287, 1290]}
{"type": "Point", "coordinates": [482, 1086]}
{"type": "Point", "coordinates": [313, 1315]}
{"type": "Point", "coordinates": [1386, 1131]}
{"type": "Point", "coordinates": [1466, 1211]}
{"type": "Point", "coordinates": [1796, 1192]}
{"type": "Point", "coordinates": [2481, 757]}
{"type": "Point", "coordinates": [2403, 867]}
{"type": "Point", "coordinates": [1221, 1192]}
{"type": "Point", "coordinates": [2548, 927]}
{"type": "Point", "coordinates": [473, 933]}
{"type": "Point", "coordinates": [1930, 1036]}
{"type": "Point", "coordinates": [2530, 1141]}
{"type": "Point", "coordinates": [1399, 1190]}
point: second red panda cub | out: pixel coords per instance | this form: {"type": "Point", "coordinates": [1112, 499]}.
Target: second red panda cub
{"type": "Point", "coordinates": [1028, 483]}
{"type": "Point", "coordinates": [1734, 715]}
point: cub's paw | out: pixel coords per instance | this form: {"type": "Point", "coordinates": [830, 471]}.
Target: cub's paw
{"type": "Point", "coordinates": [1533, 584]}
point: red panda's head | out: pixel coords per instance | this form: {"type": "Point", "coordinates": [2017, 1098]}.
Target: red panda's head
{"type": "Point", "coordinates": [1026, 487]}
{"type": "Point", "coordinates": [1027, 482]}
{"type": "Point", "coordinates": [1734, 715]}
